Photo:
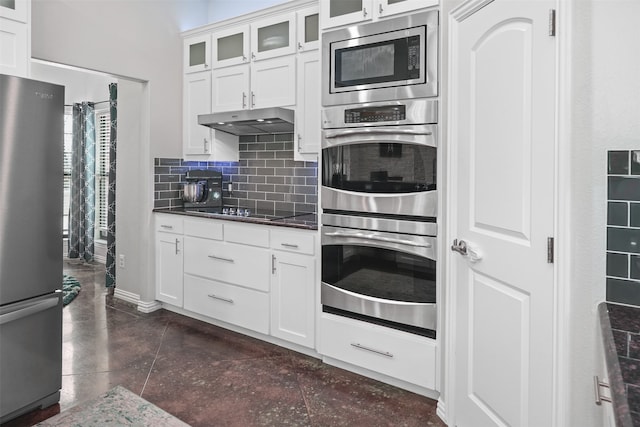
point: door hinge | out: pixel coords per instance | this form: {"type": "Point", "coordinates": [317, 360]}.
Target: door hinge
{"type": "Point", "coordinates": [550, 250]}
{"type": "Point", "coordinates": [552, 22]}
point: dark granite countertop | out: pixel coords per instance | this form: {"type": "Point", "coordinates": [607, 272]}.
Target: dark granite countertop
{"type": "Point", "coordinates": [307, 221]}
{"type": "Point", "coordinates": [620, 325]}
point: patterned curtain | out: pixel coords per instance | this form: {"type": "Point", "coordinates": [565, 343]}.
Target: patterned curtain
{"type": "Point", "coordinates": [111, 198]}
{"type": "Point", "coordinates": [83, 160]}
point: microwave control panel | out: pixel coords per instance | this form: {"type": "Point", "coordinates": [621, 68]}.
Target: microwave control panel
{"type": "Point", "coordinates": [385, 113]}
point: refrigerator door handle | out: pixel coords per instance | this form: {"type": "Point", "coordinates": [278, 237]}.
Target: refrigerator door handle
{"type": "Point", "coordinates": [29, 309]}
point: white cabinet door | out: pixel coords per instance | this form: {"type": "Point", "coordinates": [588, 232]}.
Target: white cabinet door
{"type": "Point", "coordinates": [197, 53]}
{"type": "Point", "coordinates": [307, 116]}
{"type": "Point", "coordinates": [273, 37]}
{"type": "Point", "coordinates": [503, 108]}
{"type": "Point", "coordinates": [197, 100]}
{"type": "Point", "coordinates": [231, 47]}
{"type": "Point", "coordinates": [293, 298]}
{"type": "Point", "coordinates": [231, 88]}
{"type": "Point", "coordinates": [169, 268]}
{"type": "Point", "coordinates": [273, 82]}
{"type": "Point", "coordinates": [334, 13]}
{"type": "Point", "coordinates": [308, 22]}
{"type": "Point", "coordinates": [16, 10]}
{"type": "Point", "coordinates": [391, 7]}
{"type": "Point", "coordinates": [14, 48]}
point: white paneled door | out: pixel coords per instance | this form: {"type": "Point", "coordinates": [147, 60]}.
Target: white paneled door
{"type": "Point", "coordinates": [502, 135]}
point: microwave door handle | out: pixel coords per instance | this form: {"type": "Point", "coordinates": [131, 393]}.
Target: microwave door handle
{"type": "Point", "coordinates": [378, 238]}
{"type": "Point", "coordinates": [349, 132]}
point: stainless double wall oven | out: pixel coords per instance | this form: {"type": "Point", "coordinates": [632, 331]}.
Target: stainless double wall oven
{"type": "Point", "coordinates": [379, 201]}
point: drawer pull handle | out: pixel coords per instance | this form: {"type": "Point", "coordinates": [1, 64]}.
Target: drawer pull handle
{"type": "Point", "coordinates": [289, 245]}
{"type": "Point", "coordinates": [168, 227]}
{"type": "Point", "coordinates": [373, 350]}
{"type": "Point", "coordinates": [221, 259]}
{"type": "Point", "coordinates": [597, 384]}
{"type": "Point", "coordinates": [229, 300]}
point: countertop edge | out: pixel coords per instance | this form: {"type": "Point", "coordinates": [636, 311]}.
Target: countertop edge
{"type": "Point", "coordinates": [247, 220]}
{"type": "Point", "coordinates": [614, 373]}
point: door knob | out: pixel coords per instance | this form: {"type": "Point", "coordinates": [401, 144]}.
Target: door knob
{"type": "Point", "coordinates": [459, 246]}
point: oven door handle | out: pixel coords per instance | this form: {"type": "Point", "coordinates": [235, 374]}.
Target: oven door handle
{"type": "Point", "coordinates": [371, 236]}
{"type": "Point", "coordinates": [330, 134]}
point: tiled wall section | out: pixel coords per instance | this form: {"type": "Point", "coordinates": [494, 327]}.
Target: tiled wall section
{"type": "Point", "coordinates": [266, 178]}
{"type": "Point", "coordinates": [623, 227]}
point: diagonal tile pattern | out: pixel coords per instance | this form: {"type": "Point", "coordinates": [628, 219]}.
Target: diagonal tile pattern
{"type": "Point", "coordinates": [209, 376]}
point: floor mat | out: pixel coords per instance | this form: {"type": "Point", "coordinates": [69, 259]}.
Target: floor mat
{"type": "Point", "coordinates": [70, 288]}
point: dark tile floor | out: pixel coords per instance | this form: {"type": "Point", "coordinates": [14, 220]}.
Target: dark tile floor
{"type": "Point", "coordinates": [208, 376]}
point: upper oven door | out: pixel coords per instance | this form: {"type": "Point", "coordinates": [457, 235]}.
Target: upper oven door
{"type": "Point", "coordinates": [387, 170]}
{"type": "Point", "coordinates": [386, 60]}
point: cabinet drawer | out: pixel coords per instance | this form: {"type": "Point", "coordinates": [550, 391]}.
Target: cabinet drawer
{"type": "Point", "coordinates": [293, 241]}
{"type": "Point", "coordinates": [205, 228]}
{"type": "Point", "coordinates": [246, 234]}
{"type": "Point", "coordinates": [227, 262]}
{"type": "Point", "coordinates": [400, 355]}
{"type": "Point", "coordinates": [232, 304]}
{"type": "Point", "coordinates": [169, 223]}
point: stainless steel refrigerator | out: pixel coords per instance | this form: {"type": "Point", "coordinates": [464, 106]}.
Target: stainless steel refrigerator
{"type": "Point", "coordinates": [31, 185]}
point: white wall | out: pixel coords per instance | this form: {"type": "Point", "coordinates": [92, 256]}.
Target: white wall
{"type": "Point", "coordinates": [139, 40]}
{"type": "Point", "coordinates": [606, 115]}
{"type": "Point", "coordinates": [223, 9]}
{"type": "Point", "coordinates": [78, 85]}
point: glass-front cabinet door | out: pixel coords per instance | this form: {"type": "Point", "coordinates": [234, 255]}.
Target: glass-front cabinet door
{"type": "Point", "coordinates": [308, 28]}
{"type": "Point", "coordinates": [273, 37]}
{"type": "Point", "coordinates": [391, 7]}
{"type": "Point", "coordinates": [334, 13]}
{"type": "Point", "coordinates": [14, 9]}
{"type": "Point", "coordinates": [231, 47]}
{"type": "Point", "coordinates": [197, 53]}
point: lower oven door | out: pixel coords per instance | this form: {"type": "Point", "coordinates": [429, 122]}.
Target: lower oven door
{"type": "Point", "coordinates": [387, 278]}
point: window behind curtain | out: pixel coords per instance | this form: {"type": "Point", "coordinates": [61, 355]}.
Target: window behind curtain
{"type": "Point", "coordinates": [68, 138]}
{"type": "Point", "coordinates": [103, 130]}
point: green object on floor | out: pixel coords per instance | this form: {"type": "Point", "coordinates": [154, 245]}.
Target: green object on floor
{"type": "Point", "coordinates": [70, 288]}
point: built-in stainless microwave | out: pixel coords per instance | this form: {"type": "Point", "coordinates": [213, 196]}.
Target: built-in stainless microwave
{"type": "Point", "coordinates": [385, 60]}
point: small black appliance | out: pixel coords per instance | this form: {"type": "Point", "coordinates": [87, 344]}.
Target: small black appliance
{"type": "Point", "coordinates": [203, 190]}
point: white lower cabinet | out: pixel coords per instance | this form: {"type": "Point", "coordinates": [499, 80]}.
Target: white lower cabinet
{"type": "Point", "coordinates": [232, 304]}
{"type": "Point", "coordinates": [169, 260]}
{"type": "Point", "coordinates": [293, 287]}
{"type": "Point", "coordinates": [227, 262]}
{"type": "Point", "coordinates": [400, 355]}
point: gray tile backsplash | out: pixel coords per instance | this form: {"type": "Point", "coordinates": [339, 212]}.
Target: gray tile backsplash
{"type": "Point", "coordinates": [266, 177]}
{"type": "Point", "coordinates": [623, 227]}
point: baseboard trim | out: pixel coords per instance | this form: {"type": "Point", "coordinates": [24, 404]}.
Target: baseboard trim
{"type": "Point", "coordinates": [149, 306]}
{"type": "Point", "coordinates": [441, 410]}
{"type": "Point", "coordinates": [126, 296]}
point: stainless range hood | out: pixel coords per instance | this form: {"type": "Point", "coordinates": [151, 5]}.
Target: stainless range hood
{"type": "Point", "coordinates": [250, 122]}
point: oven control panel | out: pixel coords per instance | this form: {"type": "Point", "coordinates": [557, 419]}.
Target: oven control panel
{"type": "Point", "coordinates": [385, 113]}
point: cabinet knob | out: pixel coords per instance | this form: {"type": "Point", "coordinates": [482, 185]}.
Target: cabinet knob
{"type": "Point", "coordinates": [244, 58]}
{"type": "Point", "coordinates": [364, 12]}
{"type": "Point", "coordinates": [244, 100]}
{"type": "Point", "coordinates": [299, 46]}
{"type": "Point", "coordinates": [380, 9]}
{"type": "Point", "coordinates": [253, 99]}
{"type": "Point", "coordinates": [253, 56]}
{"type": "Point", "coordinates": [205, 145]}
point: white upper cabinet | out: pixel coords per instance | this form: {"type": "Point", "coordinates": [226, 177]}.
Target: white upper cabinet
{"type": "Point", "coordinates": [15, 45]}
{"type": "Point", "coordinates": [391, 7]}
{"type": "Point", "coordinates": [307, 135]}
{"type": "Point", "coordinates": [197, 53]}
{"type": "Point", "coordinates": [273, 37]}
{"type": "Point", "coordinates": [197, 100]}
{"type": "Point", "coordinates": [308, 21]}
{"type": "Point", "coordinates": [231, 89]}
{"type": "Point", "coordinates": [231, 46]}
{"type": "Point", "coordinates": [273, 82]}
{"type": "Point", "coordinates": [334, 13]}
{"type": "Point", "coordinates": [17, 10]}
